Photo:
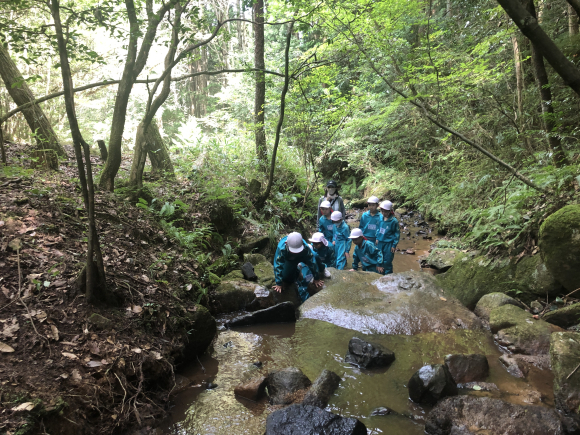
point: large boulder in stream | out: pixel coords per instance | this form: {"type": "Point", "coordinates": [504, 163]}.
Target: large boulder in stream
{"type": "Point", "coordinates": [283, 384]}
{"type": "Point", "coordinates": [559, 243]}
{"type": "Point", "coordinates": [519, 331]}
{"type": "Point", "coordinates": [322, 389]}
{"type": "Point", "coordinates": [307, 419]}
{"type": "Point", "coordinates": [565, 358]}
{"type": "Point", "coordinates": [463, 415]}
{"type": "Point", "coordinates": [405, 303]}
{"type": "Point", "coordinates": [472, 277]}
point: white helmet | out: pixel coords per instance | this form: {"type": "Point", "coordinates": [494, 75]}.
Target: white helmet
{"type": "Point", "coordinates": [318, 238]}
{"type": "Point", "coordinates": [386, 205]}
{"type": "Point", "coordinates": [295, 242]}
{"type": "Point", "coordinates": [336, 216]}
{"type": "Point", "coordinates": [325, 204]}
{"type": "Point", "coordinates": [356, 233]}
{"type": "Point", "coordinates": [373, 200]}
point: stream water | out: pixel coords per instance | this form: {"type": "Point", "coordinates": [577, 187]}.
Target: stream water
{"type": "Point", "coordinates": [314, 345]}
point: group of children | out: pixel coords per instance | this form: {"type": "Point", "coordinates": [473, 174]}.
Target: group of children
{"type": "Point", "coordinates": [375, 242]}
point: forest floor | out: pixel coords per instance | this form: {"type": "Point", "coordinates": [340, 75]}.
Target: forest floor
{"type": "Point", "coordinates": [64, 369]}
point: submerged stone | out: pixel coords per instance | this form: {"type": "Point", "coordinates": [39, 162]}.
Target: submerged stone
{"type": "Point", "coordinates": [322, 389]}
{"type": "Point", "coordinates": [559, 243]}
{"type": "Point", "coordinates": [519, 365]}
{"type": "Point", "coordinates": [282, 384]}
{"type": "Point", "coordinates": [306, 419]}
{"type": "Point", "coordinates": [431, 383]}
{"type": "Point", "coordinates": [403, 303]}
{"type": "Point", "coordinates": [474, 415]}
{"type": "Point", "coordinates": [467, 368]}
{"type": "Point", "coordinates": [252, 389]}
{"type": "Point", "coordinates": [368, 355]}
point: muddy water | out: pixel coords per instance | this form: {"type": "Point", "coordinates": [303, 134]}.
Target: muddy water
{"type": "Point", "coordinates": [314, 345]}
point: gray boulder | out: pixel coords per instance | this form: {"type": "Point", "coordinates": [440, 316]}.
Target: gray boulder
{"type": "Point", "coordinates": [519, 365]}
{"type": "Point", "coordinates": [441, 258]}
{"type": "Point", "coordinates": [363, 354]}
{"type": "Point", "coordinates": [248, 272]}
{"type": "Point", "coordinates": [405, 303]}
{"type": "Point", "coordinates": [322, 389]}
{"type": "Point", "coordinates": [494, 300]}
{"type": "Point", "coordinates": [280, 313]}
{"type": "Point", "coordinates": [311, 420]}
{"type": "Point", "coordinates": [467, 368]}
{"type": "Point", "coordinates": [564, 317]}
{"type": "Point", "coordinates": [479, 415]}
{"type": "Point", "coordinates": [565, 358]}
{"type": "Point", "coordinates": [282, 384]}
{"type": "Point", "coordinates": [252, 389]}
{"type": "Point", "coordinates": [431, 383]}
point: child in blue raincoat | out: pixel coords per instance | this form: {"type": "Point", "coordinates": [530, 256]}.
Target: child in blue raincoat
{"type": "Point", "coordinates": [369, 221]}
{"type": "Point", "coordinates": [323, 253]}
{"type": "Point", "coordinates": [294, 262]}
{"type": "Point", "coordinates": [325, 224]}
{"type": "Point", "coordinates": [340, 239]}
{"type": "Point", "coordinates": [366, 253]}
{"type": "Point", "coordinates": [388, 234]}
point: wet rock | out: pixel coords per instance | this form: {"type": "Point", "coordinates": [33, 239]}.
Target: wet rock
{"type": "Point", "coordinates": [236, 295]}
{"type": "Point", "coordinates": [306, 419]}
{"type": "Point", "coordinates": [248, 272]}
{"type": "Point", "coordinates": [367, 355]}
{"type": "Point", "coordinates": [560, 245]}
{"type": "Point", "coordinates": [564, 317]}
{"type": "Point", "coordinates": [536, 307]}
{"type": "Point", "coordinates": [478, 386]}
{"type": "Point", "coordinates": [517, 330]}
{"type": "Point", "coordinates": [431, 383]}
{"type": "Point", "coordinates": [471, 415]}
{"type": "Point", "coordinates": [494, 300]}
{"type": "Point", "coordinates": [255, 244]}
{"type": "Point", "coordinates": [282, 384]}
{"type": "Point", "coordinates": [203, 324]}
{"type": "Point", "coordinates": [322, 389]}
{"type": "Point", "coordinates": [263, 298]}
{"type": "Point", "coordinates": [280, 313]}
{"type": "Point", "coordinates": [472, 277]}
{"type": "Point", "coordinates": [467, 368]}
{"type": "Point", "coordinates": [252, 389]}
{"type": "Point", "coordinates": [100, 322]}
{"type": "Point", "coordinates": [212, 386]}
{"type": "Point", "coordinates": [181, 383]}
{"type": "Point", "coordinates": [383, 410]}
{"type": "Point", "coordinates": [565, 358]}
{"type": "Point", "coordinates": [410, 252]}
{"type": "Point", "coordinates": [519, 365]}
{"type": "Point", "coordinates": [405, 303]}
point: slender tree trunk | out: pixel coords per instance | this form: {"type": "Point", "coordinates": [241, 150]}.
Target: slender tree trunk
{"type": "Point", "coordinates": [2, 149]}
{"type": "Point", "coordinates": [150, 143]}
{"type": "Point", "coordinates": [260, 91]}
{"type": "Point", "coordinates": [96, 284]}
{"type": "Point", "coordinates": [103, 149]}
{"type": "Point", "coordinates": [572, 21]}
{"type": "Point", "coordinates": [39, 124]}
{"type": "Point", "coordinates": [239, 27]}
{"type": "Point", "coordinates": [519, 77]}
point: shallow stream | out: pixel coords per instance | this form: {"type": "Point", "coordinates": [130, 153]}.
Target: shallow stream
{"type": "Point", "coordinates": [314, 345]}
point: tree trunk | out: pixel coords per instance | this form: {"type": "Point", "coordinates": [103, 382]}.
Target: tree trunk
{"type": "Point", "coordinates": [39, 124]}
{"type": "Point", "coordinates": [198, 84]}
{"type": "Point", "coordinates": [572, 21]}
{"type": "Point", "coordinates": [260, 94]}
{"type": "Point", "coordinates": [519, 77]}
{"type": "Point", "coordinates": [103, 149]}
{"type": "Point", "coordinates": [239, 27]}
{"type": "Point", "coordinates": [150, 144]}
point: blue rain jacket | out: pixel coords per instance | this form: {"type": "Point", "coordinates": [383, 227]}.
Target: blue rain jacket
{"type": "Point", "coordinates": [389, 231]}
{"type": "Point", "coordinates": [368, 254]}
{"type": "Point", "coordinates": [369, 224]}
{"type": "Point", "coordinates": [326, 227]}
{"type": "Point", "coordinates": [286, 263]}
{"type": "Point", "coordinates": [342, 244]}
{"type": "Point", "coordinates": [325, 257]}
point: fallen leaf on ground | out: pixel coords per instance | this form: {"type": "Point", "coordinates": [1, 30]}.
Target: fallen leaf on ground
{"type": "Point", "coordinates": [5, 348]}
{"type": "Point", "coordinates": [70, 355]}
{"type": "Point", "coordinates": [26, 406]}
{"type": "Point", "coordinates": [136, 350]}
{"type": "Point", "coordinates": [94, 364]}
{"type": "Point", "coordinates": [94, 348]}
{"type": "Point", "coordinates": [442, 298]}
{"type": "Point", "coordinates": [76, 376]}
{"type": "Point", "coordinates": [136, 309]}
{"type": "Point", "coordinates": [54, 331]}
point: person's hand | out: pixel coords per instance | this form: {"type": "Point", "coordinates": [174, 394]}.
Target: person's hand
{"type": "Point", "coordinates": [393, 250]}
{"type": "Point", "coordinates": [334, 243]}
{"type": "Point", "coordinates": [346, 254]}
{"type": "Point", "coordinates": [318, 283]}
{"type": "Point", "coordinates": [277, 288]}
{"type": "Point", "coordinates": [380, 269]}
{"type": "Point", "coordinates": [352, 270]}
{"type": "Point", "coordinates": [376, 242]}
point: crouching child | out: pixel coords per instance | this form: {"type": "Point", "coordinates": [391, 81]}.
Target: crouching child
{"type": "Point", "coordinates": [366, 252]}
{"type": "Point", "coordinates": [323, 253]}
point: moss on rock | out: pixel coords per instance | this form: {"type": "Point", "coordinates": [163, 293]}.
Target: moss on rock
{"type": "Point", "coordinates": [441, 258]}
{"type": "Point", "coordinates": [494, 300]}
{"type": "Point", "coordinates": [472, 277]}
{"type": "Point", "coordinates": [200, 329]}
{"type": "Point", "coordinates": [564, 317]}
{"type": "Point", "coordinates": [560, 245]}
{"type": "Point", "coordinates": [564, 357]}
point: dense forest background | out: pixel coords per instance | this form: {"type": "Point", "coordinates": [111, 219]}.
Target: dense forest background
{"type": "Point", "coordinates": [389, 97]}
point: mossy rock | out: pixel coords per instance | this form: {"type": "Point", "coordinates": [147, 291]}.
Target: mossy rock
{"type": "Point", "coordinates": [560, 245]}
{"type": "Point", "coordinates": [564, 317]}
{"type": "Point", "coordinates": [564, 358]}
{"type": "Point", "coordinates": [200, 329]}
{"type": "Point", "coordinates": [255, 259]}
{"type": "Point", "coordinates": [519, 331]}
{"type": "Point", "coordinates": [255, 244]}
{"type": "Point", "coordinates": [265, 273]}
{"type": "Point", "coordinates": [472, 277]}
{"type": "Point", "coordinates": [233, 296]}
{"type": "Point", "coordinates": [494, 300]}
{"type": "Point", "coordinates": [358, 203]}
{"type": "Point", "coordinates": [100, 322]}
{"type": "Point", "coordinates": [441, 258]}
